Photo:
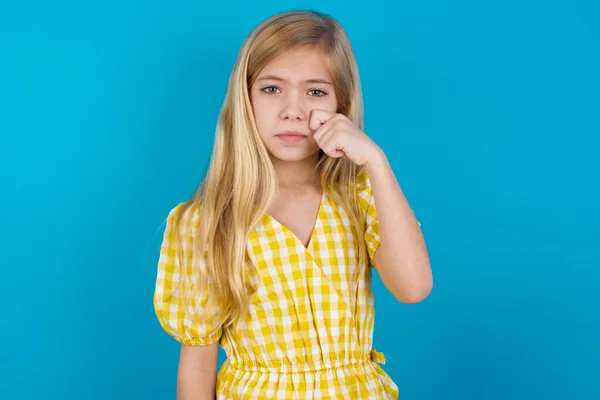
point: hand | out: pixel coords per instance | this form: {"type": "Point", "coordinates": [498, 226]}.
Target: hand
{"type": "Point", "coordinates": [338, 137]}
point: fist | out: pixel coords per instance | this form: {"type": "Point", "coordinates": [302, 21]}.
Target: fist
{"type": "Point", "coordinates": [338, 137]}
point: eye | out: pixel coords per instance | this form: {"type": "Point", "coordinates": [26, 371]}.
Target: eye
{"type": "Point", "coordinates": [268, 89]}
{"type": "Point", "coordinates": [319, 92]}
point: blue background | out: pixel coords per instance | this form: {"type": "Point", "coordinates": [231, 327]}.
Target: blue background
{"type": "Point", "coordinates": [488, 111]}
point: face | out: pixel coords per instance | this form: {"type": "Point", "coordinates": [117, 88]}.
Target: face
{"type": "Point", "coordinates": [283, 96]}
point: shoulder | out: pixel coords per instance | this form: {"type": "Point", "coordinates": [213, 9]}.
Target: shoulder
{"type": "Point", "coordinates": [362, 186]}
{"type": "Point", "coordinates": [181, 224]}
{"type": "Point", "coordinates": [362, 179]}
{"type": "Point", "coordinates": [184, 215]}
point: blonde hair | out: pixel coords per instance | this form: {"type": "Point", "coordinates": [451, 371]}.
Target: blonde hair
{"type": "Point", "coordinates": [241, 182]}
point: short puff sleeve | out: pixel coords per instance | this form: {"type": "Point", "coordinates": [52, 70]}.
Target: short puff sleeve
{"type": "Point", "coordinates": [191, 323]}
{"type": "Point", "coordinates": [366, 202]}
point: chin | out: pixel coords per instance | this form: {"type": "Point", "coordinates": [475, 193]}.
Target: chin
{"type": "Point", "coordinates": [292, 154]}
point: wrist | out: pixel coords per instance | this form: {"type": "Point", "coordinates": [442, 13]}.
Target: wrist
{"type": "Point", "coordinates": [377, 161]}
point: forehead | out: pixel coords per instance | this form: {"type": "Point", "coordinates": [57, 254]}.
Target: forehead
{"type": "Point", "coordinates": [299, 64]}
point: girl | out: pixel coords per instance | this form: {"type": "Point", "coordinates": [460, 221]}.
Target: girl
{"type": "Point", "coordinates": [271, 257]}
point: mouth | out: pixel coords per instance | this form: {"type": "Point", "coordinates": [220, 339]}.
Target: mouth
{"type": "Point", "coordinates": [291, 137]}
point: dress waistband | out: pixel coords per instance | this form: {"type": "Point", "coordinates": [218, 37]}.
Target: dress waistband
{"type": "Point", "coordinates": [371, 356]}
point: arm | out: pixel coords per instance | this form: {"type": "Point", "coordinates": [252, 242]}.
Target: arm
{"type": "Point", "coordinates": [197, 372]}
{"type": "Point", "coordinates": [195, 328]}
{"type": "Point", "coordinates": [402, 259]}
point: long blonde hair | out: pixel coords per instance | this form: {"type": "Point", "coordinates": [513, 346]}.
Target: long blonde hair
{"type": "Point", "coordinates": [241, 182]}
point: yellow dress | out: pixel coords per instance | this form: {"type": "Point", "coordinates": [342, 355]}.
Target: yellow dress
{"type": "Point", "coordinates": [308, 331]}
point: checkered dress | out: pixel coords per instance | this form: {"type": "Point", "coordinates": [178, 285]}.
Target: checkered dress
{"type": "Point", "coordinates": [308, 331]}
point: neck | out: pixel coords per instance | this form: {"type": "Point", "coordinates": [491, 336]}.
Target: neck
{"type": "Point", "coordinates": [294, 174]}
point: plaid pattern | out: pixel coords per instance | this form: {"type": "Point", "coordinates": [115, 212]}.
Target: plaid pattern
{"type": "Point", "coordinates": [308, 331]}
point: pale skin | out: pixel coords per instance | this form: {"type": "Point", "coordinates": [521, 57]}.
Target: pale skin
{"type": "Point", "coordinates": [294, 92]}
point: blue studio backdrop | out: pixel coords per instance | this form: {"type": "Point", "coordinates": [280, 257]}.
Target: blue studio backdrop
{"type": "Point", "coordinates": [488, 112]}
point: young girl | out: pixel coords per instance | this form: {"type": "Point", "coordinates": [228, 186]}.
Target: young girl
{"type": "Point", "coordinates": [271, 257]}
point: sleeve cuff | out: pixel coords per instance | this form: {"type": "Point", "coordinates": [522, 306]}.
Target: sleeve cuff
{"type": "Point", "coordinates": [203, 341]}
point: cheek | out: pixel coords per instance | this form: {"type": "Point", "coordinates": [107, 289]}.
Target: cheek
{"type": "Point", "coordinates": [260, 113]}
{"type": "Point", "coordinates": [333, 103]}
{"type": "Point", "coordinates": [263, 116]}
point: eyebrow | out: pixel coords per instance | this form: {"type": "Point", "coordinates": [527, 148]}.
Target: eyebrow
{"type": "Point", "coordinates": [276, 78]}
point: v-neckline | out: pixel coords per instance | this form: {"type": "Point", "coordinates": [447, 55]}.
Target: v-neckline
{"type": "Point", "coordinates": [313, 233]}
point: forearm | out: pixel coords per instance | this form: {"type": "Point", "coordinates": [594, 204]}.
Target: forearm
{"type": "Point", "coordinates": [196, 375]}
{"type": "Point", "coordinates": [195, 385]}
{"type": "Point", "coordinates": [402, 259]}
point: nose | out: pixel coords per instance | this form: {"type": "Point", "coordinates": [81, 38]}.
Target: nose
{"type": "Point", "coordinates": [294, 108]}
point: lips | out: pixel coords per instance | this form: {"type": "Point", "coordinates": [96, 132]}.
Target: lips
{"type": "Point", "coordinates": [291, 133]}
{"type": "Point", "coordinates": [291, 136]}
